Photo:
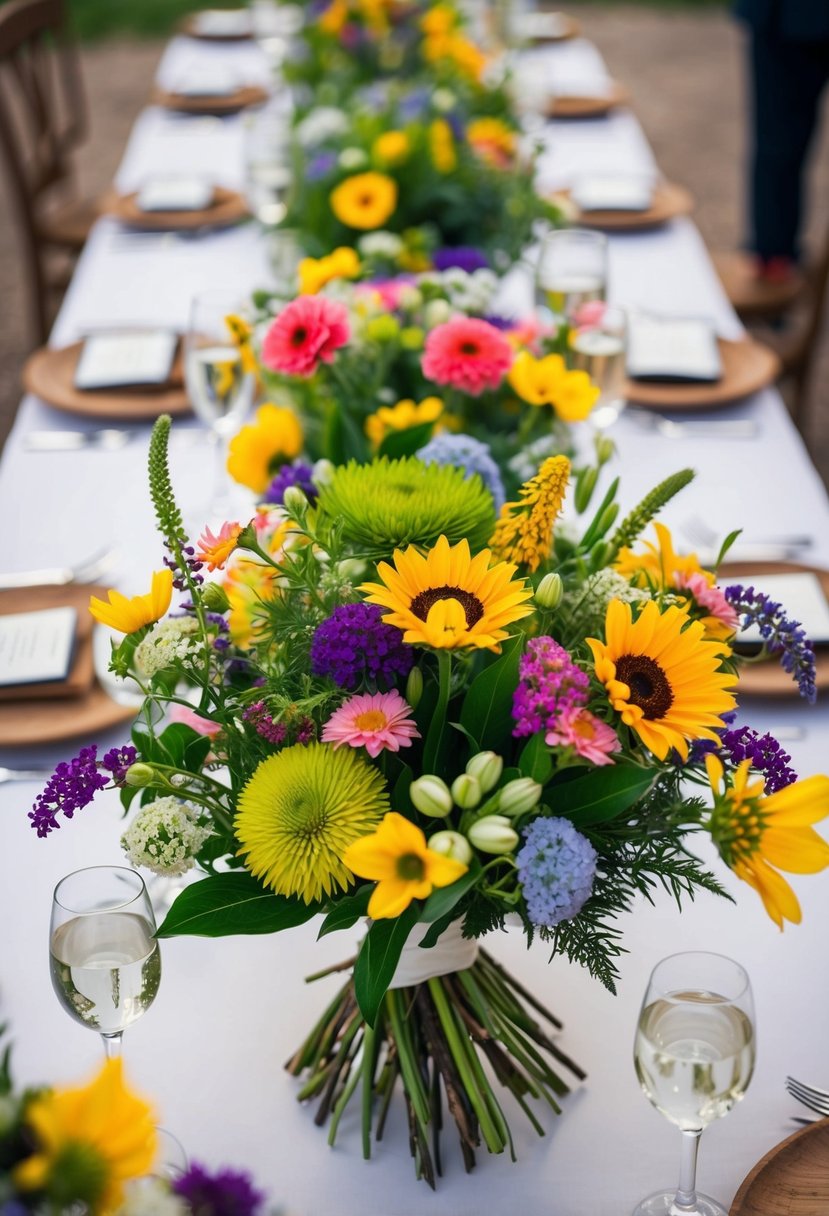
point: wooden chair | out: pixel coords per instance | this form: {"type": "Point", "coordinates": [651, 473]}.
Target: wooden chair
{"type": "Point", "coordinates": [42, 120]}
{"type": "Point", "coordinates": [755, 299]}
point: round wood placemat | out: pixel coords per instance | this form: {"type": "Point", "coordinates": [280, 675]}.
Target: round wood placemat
{"type": "Point", "coordinates": [768, 679]}
{"type": "Point", "coordinates": [189, 25]}
{"type": "Point", "coordinates": [220, 105]}
{"type": "Point", "coordinates": [588, 107]}
{"type": "Point", "coordinates": [50, 374]}
{"type": "Point", "coordinates": [228, 207]}
{"type": "Point", "coordinates": [669, 201]}
{"type": "Point", "coordinates": [748, 366]}
{"type": "Point", "coordinates": [791, 1180]}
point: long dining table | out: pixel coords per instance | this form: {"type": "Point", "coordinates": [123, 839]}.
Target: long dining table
{"type": "Point", "coordinates": [210, 1051]}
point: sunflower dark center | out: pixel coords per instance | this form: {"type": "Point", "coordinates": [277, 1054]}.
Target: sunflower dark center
{"type": "Point", "coordinates": [366, 200]}
{"type": "Point", "coordinates": [410, 867]}
{"type": "Point", "coordinates": [470, 348]}
{"type": "Point", "coordinates": [299, 335]}
{"type": "Point", "coordinates": [473, 609]}
{"type": "Point", "coordinates": [649, 687]}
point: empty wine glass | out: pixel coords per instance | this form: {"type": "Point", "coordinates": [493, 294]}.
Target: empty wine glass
{"type": "Point", "coordinates": [572, 271]}
{"type": "Point", "coordinates": [103, 957]}
{"type": "Point", "coordinates": [597, 346]}
{"type": "Point", "coordinates": [694, 1056]}
{"type": "Point", "coordinates": [219, 381]}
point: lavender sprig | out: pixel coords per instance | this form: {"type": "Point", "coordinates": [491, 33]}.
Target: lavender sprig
{"type": "Point", "coordinates": [764, 752]}
{"type": "Point", "coordinates": [780, 634]}
{"type": "Point", "coordinates": [71, 787]}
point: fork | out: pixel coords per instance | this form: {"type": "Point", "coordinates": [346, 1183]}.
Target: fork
{"type": "Point", "coordinates": [703, 428]}
{"type": "Point", "coordinates": [809, 1095]}
{"type": "Point", "coordinates": [701, 533]}
{"type": "Point", "coordinates": [87, 571]}
{"type": "Point", "coordinates": [24, 774]}
{"type": "Point", "coordinates": [108, 439]}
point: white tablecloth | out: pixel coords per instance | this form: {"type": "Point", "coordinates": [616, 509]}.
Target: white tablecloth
{"type": "Point", "coordinates": [230, 1012]}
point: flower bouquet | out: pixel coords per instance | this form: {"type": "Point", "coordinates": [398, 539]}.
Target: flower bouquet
{"type": "Point", "coordinates": [438, 723]}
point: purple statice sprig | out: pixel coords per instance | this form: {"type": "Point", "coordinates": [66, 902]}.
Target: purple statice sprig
{"type": "Point", "coordinates": [71, 787]}
{"type": "Point", "coordinates": [224, 1193]}
{"type": "Point", "coordinates": [549, 681]}
{"type": "Point", "coordinates": [780, 635]}
{"type": "Point", "coordinates": [354, 646]}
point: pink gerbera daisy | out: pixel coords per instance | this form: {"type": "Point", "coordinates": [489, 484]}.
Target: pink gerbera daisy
{"type": "Point", "coordinates": [467, 353]}
{"type": "Point", "coordinates": [376, 721]}
{"type": "Point", "coordinates": [588, 736]}
{"type": "Point", "coordinates": [308, 331]}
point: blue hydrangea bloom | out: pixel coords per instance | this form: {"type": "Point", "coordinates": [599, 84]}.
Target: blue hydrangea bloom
{"type": "Point", "coordinates": [556, 868]}
{"type": "Point", "coordinates": [470, 454]}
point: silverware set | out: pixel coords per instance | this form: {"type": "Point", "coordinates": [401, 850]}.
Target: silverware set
{"type": "Point", "coordinates": [107, 439]}
{"type": "Point", "coordinates": [810, 1096]}
{"type": "Point", "coordinates": [695, 428]}
{"type": "Point", "coordinates": [87, 571]}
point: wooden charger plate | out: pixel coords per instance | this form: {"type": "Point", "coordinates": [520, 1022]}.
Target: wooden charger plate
{"type": "Point", "coordinates": [669, 201]}
{"type": "Point", "coordinates": [747, 365]}
{"type": "Point", "coordinates": [50, 375]}
{"type": "Point", "coordinates": [588, 107]}
{"type": "Point", "coordinates": [768, 679]}
{"type": "Point", "coordinates": [228, 207]}
{"type": "Point", "coordinates": [547, 26]}
{"type": "Point", "coordinates": [791, 1180]}
{"type": "Point", "coordinates": [26, 722]}
{"type": "Point", "coordinates": [190, 25]}
{"type": "Point", "coordinates": [220, 105]}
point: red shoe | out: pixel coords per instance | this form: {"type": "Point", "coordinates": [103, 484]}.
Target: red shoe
{"type": "Point", "coordinates": [775, 270]}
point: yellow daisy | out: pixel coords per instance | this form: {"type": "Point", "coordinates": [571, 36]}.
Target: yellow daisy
{"type": "Point", "coordinates": [314, 273]}
{"type": "Point", "coordinates": [575, 397]}
{"type": "Point", "coordinates": [130, 615]}
{"type": "Point", "coordinates": [401, 417]}
{"type": "Point", "coordinates": [524, 532]}
{"type": "Point", "coordinates": [392, 147]}
{"type": "Point", "coordinates": [537, 381]}
{"type": "Point", "coordinates": [758, 835]}
{"type": "Point", "coordinates": [257, 451]}
{"type": "Point", "coordinates": [662, 676]}
{"type": "Point", "coordinates": [449, 599]}
{"type": "Point", "coordinates": [364, 201]}
{"type": "Point", "coordinates": [442, 146]}
{"type": "Point", "coordinates": [397, 857]}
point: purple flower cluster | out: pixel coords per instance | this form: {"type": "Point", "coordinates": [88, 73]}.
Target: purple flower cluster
{"type": "Point", "coordinates": [221, 640]}
{"type": "Point", "coordinates": [556, 869]}
{"type": "Point", "coordinates": [225, 1193]}
{"type": "Point", "coordinates": [191, 562]}
{"type": "Point", "coordinates": [461, 257]}
{"type": "Point", "coordinates": [550, 682]}
{"type": "Point", "coordinates": [764, 752]}
{"type": "Point", "coordinates": [262, 722]}
{"type": "Point", "coordinates": [468, 454]}
{"type": "Point", "coordinates": [353, 646]}
{"type": "Point", "coordinates": [298, 474]}
{"type": "Point", "coordinates": [781, 635]}
{"type": "Point", "coordinates": [72, 786]}
{"type": "Point", "coordinates": [320, 166]}
{"type": "Point", "coordinates": [117, 760]}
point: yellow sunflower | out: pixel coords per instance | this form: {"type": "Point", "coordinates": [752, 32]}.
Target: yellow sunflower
{"type": "Point", "coordinates": [397, 857]}
{"type": "Point", "coordinates": [449, 599]}
{"type": "Point", "coordinates": [758, 835]}
{"type": "Point", "coordinates": [662, 676]}
{"type": "Point", "coordinates": [257, 451]}
{"type": "Point", "coordinates": [364, 201]}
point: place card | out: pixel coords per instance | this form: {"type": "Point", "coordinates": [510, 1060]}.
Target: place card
{"type": "Point", "coordinates": [672, 349]}
{"type": "Point", "coordinates": [175, 194]}
{"type": "Point", "coordinates": [222, 23]}
{"type": "Point", "coordinates": [613, 192]}
{"type": "Point", "coordinates": [36, 647]}
{"type": "Point", "coordinates": [801, 595]}
{"type": "Point", "coordinates": [213, 81]}
{"type": "Point", "coordinates": [126, 359]}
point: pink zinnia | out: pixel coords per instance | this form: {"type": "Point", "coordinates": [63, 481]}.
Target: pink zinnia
{"type": "Point", "coordinates": [711, 598]}
{"type": "Point", "coordinates": [467, 353]}
{"type": "Point", "coordinates": [590, 314]}
{"type": "Point", "coordinates": [202, 726]}
{"type": "Point", "coordinates": [308, 331]}
{"type": "Point", "coordinates": [588, 736]}
{"type": "Point", "coordinates": [375, 721]}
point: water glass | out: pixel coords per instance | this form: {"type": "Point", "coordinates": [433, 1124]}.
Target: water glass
{"type": "Point", "coordinates": [269, 173]}
{"type": "Point", "coordinates": [598, 345]}
{"type": "Point", "coordinates": [571, 272]}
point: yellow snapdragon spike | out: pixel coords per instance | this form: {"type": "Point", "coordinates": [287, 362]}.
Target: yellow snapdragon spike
{"type": "Point", "coordinates": [129, 615]}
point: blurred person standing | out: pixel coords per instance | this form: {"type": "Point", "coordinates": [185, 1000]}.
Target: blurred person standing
{"type": "Point", "coordinates": [788, 59]}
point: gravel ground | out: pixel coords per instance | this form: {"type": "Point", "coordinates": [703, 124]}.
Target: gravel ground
{"type": "Point", "coordinates": [683, 68]}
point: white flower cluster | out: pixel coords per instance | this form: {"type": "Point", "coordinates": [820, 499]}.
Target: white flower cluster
{"type": "Point", "coordinates": [165, 836]}
{"type": "Point", "coordinates": [380, 244]}
{"type": "Point", "coordinates": [321, 124]}
{"type": "Point", "coordinates": [469, 292]}
{"type": "Point", "coordinates": [170, 641]}
{"type": "Point", "coordinates": [607, 585]}
{"type": "Point", "coordinates": [151, 1197]}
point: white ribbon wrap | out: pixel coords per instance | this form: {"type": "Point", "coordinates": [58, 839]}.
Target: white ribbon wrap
{"type": "Point", "coordinates": [451, 952]}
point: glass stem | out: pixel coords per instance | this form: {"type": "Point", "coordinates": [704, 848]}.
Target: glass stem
{"type": "Point", "coordinates": [112, 1044]}
{"type": "Point", "coordinates": [686, 1192]}
{"type": "Point", "coordinates": [219, 471]}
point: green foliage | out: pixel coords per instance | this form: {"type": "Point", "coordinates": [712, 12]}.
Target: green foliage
{"type": "Point", "coordinates": [599, 794]}
{"type": "Point", "coordinates": [378, 958]}
{"type": "Point", "coordinates": [225, 904]}
{"type": "Point", "coordinates": [635, 523]}
{"type": "Point", "coordinates": [487, 707]}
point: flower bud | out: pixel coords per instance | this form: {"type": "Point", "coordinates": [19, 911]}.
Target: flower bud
{"type": "Point", "coordinates": [451, 844]}
{"type": "Point", "coordinates": [414, 687]}
{"type": "Point", "coordinates": [605, 449]}
{"type": "Point", "coordinates": [295, 503]}
{"type": "Point", "coordinates": [436, 312]}
{"type": "Point", "coordinates": [322, 472]}
{"type": "Point", "coordinates": [585, 485]}
{"type": "Point", "coordinates": [385, 328]}
{"type": "Point", "coordinates": [431, 796]}
{"type": "Point", "coordinates": [493, 834]}
{"type": "Point", "coordinates": [549, 591]}
{"type": "Point", "coordinates": [487, 767]}
{"type": "Point", "coordinates": [214, 598]}
{"type": "Point", "coordinates": [519, 796]}
{"type": "Point", "coordinates": [140, 775]}
{"type": "Point", "coordinates": [412, 337]}
{"type": "Point", "coordinates": [466, 791]}
{"type": "Point", "coordinates": [352, 158]}
{"type": "Point", "coordinates": [409, 298]}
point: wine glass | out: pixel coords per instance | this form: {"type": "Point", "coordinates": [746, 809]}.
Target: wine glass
{"type": "Point", "coordinates": [269, 170]}
{"type": "Point", "coordinates": [694, 1056]}
{"type": "Point", "coordinates": [103, 957]}
{"type": "Point", "coordinates": [219, 385]}
{"type": "Point", "coordinates": [572, 271]}
{"type": "Point", "coordinates": [597, 346]}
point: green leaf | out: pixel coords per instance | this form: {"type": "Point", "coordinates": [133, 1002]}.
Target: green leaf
{"type": "Point", "coordinates": [406, 443]}
{"type": "Point", "coordinates": [232, 903]}
{"type": "Point", "coordinates": [346, 912]}
{"type": "Point", "coordinates": [487, 706]}
{"type": "Point", "coordinates": [474, 746]}
{"type": "Point", "coordinates": [725, 546]}
{"type": "Point", "coordinates": [378, 958]}
{"type": "Point", "coordinates": [443, 899]}
{"type": "Point", "coordinates": [535, 760]}
{"type": "Point", "coordinates": [435, 930]}
{"type": "Point", "coordinates": [600, 795]}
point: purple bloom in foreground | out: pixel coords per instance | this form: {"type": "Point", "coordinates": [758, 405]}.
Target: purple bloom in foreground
{"type": "Point", "coordinates": [225, 1193]}
{"type": "Point", "coordinates": [461, 257]}
{"type": "Point", "coordinates": [550, 682]}
{"type": "Point", "coordinates": [764, 752]}
{"type": "Point", "coordinates": [556, 868]}
{"type": "Point", "coordinates": [320, 166]}
{"type": "Point", "coordinates": [118, 760]}
{"type": "Point", "coordinates": [292, 475]}
{"type": "Point", "coordinates": [354, 645]}
{"type": "Point", "coordinates": [780, 635]}
{"type": "Point", "coordinates": [72, 786]}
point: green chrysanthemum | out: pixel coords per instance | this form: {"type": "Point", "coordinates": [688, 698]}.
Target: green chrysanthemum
{"type": "Point", "coordinates": [388, 504]}
{"type": "Point", "coordinates": [300, 811]}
